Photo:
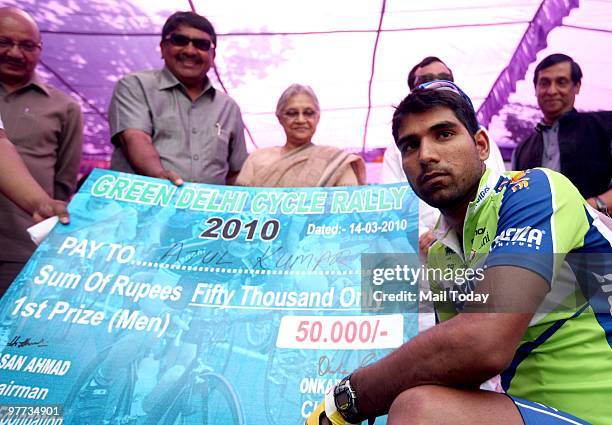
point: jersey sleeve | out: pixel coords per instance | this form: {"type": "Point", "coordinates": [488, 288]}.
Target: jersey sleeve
{"type": "Point", "coordinates": [129, 108]}
{"type": "Point", "coordinates": [541, 218]}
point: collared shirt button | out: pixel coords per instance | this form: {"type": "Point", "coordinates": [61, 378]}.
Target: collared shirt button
{"type": "Point", "coordinates": [196, 157]}
{"type": "Point", "coordinates": [194, 130]}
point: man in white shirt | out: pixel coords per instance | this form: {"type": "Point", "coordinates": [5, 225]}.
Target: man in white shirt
{"type": "Point", "coordinates": [429, 69]}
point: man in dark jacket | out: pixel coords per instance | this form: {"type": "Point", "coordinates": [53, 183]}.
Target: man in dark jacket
{"type": "Point", "coordinates": [578, 144]}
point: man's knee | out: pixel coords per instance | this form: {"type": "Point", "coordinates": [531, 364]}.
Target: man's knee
{"type": "Point", "coordinates": [416, 405]}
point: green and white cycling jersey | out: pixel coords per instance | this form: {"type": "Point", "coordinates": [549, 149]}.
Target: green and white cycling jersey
{"type": "Point", "coordinates": [538, 220]}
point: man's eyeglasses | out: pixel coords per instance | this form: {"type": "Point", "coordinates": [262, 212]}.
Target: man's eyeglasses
{"type": "Point", "coordinates": [181, 40]}
{"type": "Point", "coordinates": [24, 46]}
{"type": "Point", "coordinates": [426, 78]}
{"type": "Point", "coordinates": [445, 85]}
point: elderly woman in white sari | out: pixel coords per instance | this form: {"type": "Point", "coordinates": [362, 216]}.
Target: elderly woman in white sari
{"type": "Point", "coordinates": [299, 163]}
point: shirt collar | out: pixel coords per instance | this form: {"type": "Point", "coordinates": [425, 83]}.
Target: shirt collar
{"type": "Point", "coordinates": [168, 80]}
{"type": "Point", "coordinates": [35, 82]}
{"type": "Point", "coordinates": [542, 126]}
{"type": "Point", "coordinates": [486, 188]}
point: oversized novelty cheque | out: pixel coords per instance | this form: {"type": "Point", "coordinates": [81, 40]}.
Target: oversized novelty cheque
{"type": "Point", "coordinates": [200, 304]}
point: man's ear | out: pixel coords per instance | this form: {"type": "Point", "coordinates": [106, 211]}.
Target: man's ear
{"type": "Point", "coordinates": [481, 138]}
{"type": "Point", "coordinates": [578, 87]}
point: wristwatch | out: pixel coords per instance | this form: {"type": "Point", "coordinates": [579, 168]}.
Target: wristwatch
{"type": "Point", "coordinates": [601, 205]}
{"type": "Point", "coordinates": [346, 401]}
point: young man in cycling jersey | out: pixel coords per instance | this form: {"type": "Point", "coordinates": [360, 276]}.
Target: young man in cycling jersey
{"type": "Point", "coordinates": [546, 328]}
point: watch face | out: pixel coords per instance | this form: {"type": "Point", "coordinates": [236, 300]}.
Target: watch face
{"type": "Point", "coordinates": [343, 400]}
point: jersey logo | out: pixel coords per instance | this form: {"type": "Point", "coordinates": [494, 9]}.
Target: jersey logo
{"type": "Point", "coordinates": [602, 279]}
{"type": "Point", "coordinates": [517, 182]}
{"type": "Point", "coordinates": [607, 288]}
{"type": "Point", "coordinates": [482, 194]}
{"type": "Point", "coordinates": [521, 236]}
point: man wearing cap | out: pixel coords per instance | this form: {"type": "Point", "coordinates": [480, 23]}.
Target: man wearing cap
{"type": "Point", "coordinates": [172, 123]}
{"type": "Point", "coordinates": [577, 144]}
{"type": "Point", "coordinates": [43, 124]}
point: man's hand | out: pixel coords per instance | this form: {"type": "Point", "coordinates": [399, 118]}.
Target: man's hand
{"type": "Point", "coordinates": [142, 155]}
{"type": "Point", "coordinates": [425, 241]}
{"type": "Point", "coordinates": [48, 208]}
{"type": "Point", "coordinates": [172, 176]}
{"type": "Point", "coordinates": [317, 417]}
{"type": "Point", "coordinates": [326, 412]}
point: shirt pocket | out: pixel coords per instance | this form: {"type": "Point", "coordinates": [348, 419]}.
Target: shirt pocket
{"type": "Point", "coordinates": [32, 137]}
{"type": "Point", "coordinates": [165, 128]}
{"type": "Point", "coordinates": [168, 137]}
{"type": "Point", "coordinates": [216, 146]}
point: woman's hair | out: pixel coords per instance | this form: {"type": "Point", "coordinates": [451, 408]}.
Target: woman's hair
{"type": "Point", "coordinates": [291, 91]}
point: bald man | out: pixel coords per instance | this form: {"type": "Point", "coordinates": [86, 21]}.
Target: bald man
{"type": "Point", "coordinates": [45, 127]}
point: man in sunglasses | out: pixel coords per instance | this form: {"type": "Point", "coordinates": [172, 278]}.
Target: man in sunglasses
{"type": "Point", "coordinates": [429, 69]}
{"type": "Point", "coordinates": [172, 123]}
{"type": "Point", "coordinates": [45, 127]}
{"type": "Point", "coordinates": [545, 326]}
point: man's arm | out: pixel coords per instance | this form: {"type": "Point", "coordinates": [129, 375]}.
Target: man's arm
{"type": "Point", "coordinates": [19, 186]}
{"type": "Point", "coordinates": [231, 177]}
{"type": "Point", "coordinates": [131, 127]}
{"type": "Point", "coordinates": [237, 147]}
{"type": "Point", "coordinates": [68, 154]}
{"type": "Point", "coordinates": [605, 197]}
{"type": "Point", "coordinates": [392, 171]}
{"type": "Point", "coordinates": [138, 149]}
{"type": "Point", "coordinates": [461, 352]}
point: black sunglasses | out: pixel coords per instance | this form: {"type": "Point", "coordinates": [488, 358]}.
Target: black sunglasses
{"type": "Point", "coordinates": [181, 40]}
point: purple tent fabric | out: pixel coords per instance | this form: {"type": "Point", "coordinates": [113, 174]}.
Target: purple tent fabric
{"type": "Point", "coordinates": [548, 16]}
{"type": "Point", "coordinates": [356, 56]}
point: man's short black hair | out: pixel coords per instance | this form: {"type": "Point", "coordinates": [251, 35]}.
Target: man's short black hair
{"type": "Point", "coordinates": [189, 19]}
{"type": "Point", "coordinates": [426, 61]}
{"type": "Point", "coordinates": [423, 100]}
{"type": "Point", "coordinates": [554, 59]}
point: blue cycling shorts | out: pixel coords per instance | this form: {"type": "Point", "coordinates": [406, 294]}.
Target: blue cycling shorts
{"type": "Point", "coordinates": [539, 414]}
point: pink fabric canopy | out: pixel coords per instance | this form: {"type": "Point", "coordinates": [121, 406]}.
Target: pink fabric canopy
{"type": "Point", "coordinates": [356, 56]}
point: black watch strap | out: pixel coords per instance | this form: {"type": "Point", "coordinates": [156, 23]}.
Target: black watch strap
{"type": "Point", "coordinates": [345, 399]}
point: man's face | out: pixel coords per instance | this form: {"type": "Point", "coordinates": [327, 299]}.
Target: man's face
{"type": "Point", "coordinates": [188, 63]}
{"type": "Point", "coordinates": [431, 72]}
{"type": "Point", "coordinates": [19, 49]}
{"type": "Point", "coordinates": [555, 90]}
{"type": "Point", "coordinates": [442, 161]}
